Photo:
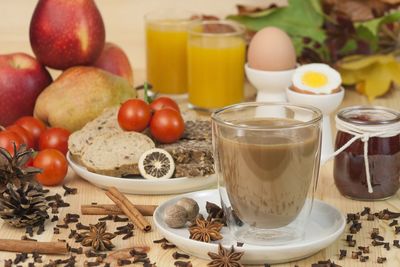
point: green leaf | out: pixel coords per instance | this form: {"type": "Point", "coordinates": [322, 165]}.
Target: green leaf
{"type": "Point", "coordinates": [374, 24]}
{"type": "Point", "coordinates": [366, 34]}
{"type": "Point", "coordinates": [301, 18]}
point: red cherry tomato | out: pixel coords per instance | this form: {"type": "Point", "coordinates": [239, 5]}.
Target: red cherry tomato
{"type": "Point", "coordinates": [167, 126]}
{"type": "Point", "coordinates": [8, 139]}
{"type": "Point", "coordinates": [32, 125]}
{"type": "Point", "coordinates": [54, 166]}
{"type": "Point", "coordinates": [56, 138]}
{"type": "Point", "coordinates": [27, 137]}
{"type": "Point", "coordinates": [164, 102]}
{"type": "Point", "coordinates": [134, 115]}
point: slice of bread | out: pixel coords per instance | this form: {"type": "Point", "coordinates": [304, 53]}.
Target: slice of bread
{"type": "Point", "coordinates": [116, 154]}
{"type": "Point", "coordinates": [105, 123]}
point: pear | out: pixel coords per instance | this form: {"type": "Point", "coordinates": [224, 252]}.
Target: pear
{"type": "Point", "coordinates": [79, 95]}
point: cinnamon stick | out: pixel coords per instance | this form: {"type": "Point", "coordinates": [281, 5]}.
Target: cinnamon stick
{"type": "Point", "coordinates": [128, 208]}
{"type": "Point", "coordinates": [27, 246]}
{"type": "Point", "coordinates": [110, 209]}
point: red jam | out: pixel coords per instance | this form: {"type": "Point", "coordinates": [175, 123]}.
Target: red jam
{"type": "Point", "coordinates": [383, 157]}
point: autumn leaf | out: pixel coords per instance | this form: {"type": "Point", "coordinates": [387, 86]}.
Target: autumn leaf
{"type": "Point", "coordinates": [372, 75]}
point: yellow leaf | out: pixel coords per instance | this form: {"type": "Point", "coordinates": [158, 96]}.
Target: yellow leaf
{"type": "Point", "coordinates": [377, 81]}
{"type": "Point", "coordinates": [394, 69]}
{"type": "Point", "coordinates": [357, 62]}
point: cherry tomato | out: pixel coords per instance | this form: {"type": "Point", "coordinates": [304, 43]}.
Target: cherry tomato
{"type": "Point", "coordinates": [32, 125]}
{"type": "Point", "coordinates": [167, 125]}
{"type": "Point", "coordinates": [134, 115]}
{"type": "Point", "coordinates": [164, 102]}
{"type": "Point", "coordinates": [8, 139]}
{"type": "Point", "coordinates": [27, 137]}
{"type": "Point", "coordinates": [56, 138]}
{"type": "Point", "coordinates": [54, 166]}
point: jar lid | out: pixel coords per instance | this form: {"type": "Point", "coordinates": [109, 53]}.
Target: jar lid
{"type": "Point", "coordinates": [369, 115]}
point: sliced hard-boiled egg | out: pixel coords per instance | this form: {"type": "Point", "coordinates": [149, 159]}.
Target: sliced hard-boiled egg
{"type": "Point", "coordinates": [316, 79]}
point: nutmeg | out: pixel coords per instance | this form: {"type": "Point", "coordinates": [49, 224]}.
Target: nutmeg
{"type": "Point", "coordinates": [175, 216]}
{"type": "Point", "coordinates": [190, 206]}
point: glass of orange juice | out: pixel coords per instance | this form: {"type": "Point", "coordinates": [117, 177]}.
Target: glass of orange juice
{"type": "Point", "coordinates": [166, 50]}
{"type": "Point", "coordinates": [216, 58]}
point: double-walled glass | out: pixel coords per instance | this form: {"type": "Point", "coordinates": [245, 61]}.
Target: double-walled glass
{"type": "Point", "coordinates": [267, 158]}
{"type": "Point", "coordinates": [166, 50]}
{"type": "Point", "coordinates": [216, 55]}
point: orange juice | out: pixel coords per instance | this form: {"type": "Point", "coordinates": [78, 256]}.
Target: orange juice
{"type": "Point", "coordinates": [215, 71]}
{"type": "Point", "coordinates": [166, 55]}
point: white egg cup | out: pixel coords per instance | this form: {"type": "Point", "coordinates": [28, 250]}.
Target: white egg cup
{"type": "Point", "coordinates": [270, 85]}
{"type": "Point", "coordinates": [327, 104]}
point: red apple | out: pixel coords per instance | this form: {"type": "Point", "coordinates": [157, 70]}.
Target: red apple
{"type": "Point", "coordinates": [67, 33]}
{"type": "Point", "coordinates": [113, 59]}
{"type": "Point", "coordinates": [22, 79]}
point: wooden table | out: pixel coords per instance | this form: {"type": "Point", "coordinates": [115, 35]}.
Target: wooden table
{"type": "Point", "coordinates": [124, 26]}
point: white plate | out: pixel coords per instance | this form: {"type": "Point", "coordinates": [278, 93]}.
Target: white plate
{"type": "Point", "coordinates": [143, 186]}
{"type": "Point", "coordinates": [325, 226]}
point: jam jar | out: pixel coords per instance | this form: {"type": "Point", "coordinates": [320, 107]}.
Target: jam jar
{"type": "Point", "coordinates": [383, 152]}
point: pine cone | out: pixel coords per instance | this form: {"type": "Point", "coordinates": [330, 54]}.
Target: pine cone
{"type": "Point", "coordinates": [24, 204]}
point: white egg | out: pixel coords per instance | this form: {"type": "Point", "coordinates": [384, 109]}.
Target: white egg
{"type": "Point", "coordinates": [316, 79]}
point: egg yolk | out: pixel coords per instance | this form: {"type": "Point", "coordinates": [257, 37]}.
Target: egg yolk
{"type": "Point", "coordinates": [314, 79]}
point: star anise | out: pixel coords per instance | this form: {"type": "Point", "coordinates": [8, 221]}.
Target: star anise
{"type": "Point", "coordinates": [205, 230]}
{"type": "Point", "coordinates": [225, 258]}
{"type": "Point", "coordinates": [97, 237]}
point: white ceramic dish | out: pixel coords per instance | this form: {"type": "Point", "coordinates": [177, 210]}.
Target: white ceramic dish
{"type": "Point", "coordinates": [325, 226]}
{"type": "Point", "coordinates": [143, 186]}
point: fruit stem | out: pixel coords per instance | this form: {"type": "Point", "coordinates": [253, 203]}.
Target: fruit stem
{"type": "Point", "coordinates": [147, 98]}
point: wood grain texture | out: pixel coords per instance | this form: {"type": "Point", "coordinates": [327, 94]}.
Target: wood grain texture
{"type": "Point", "coordinates": [124, 26]}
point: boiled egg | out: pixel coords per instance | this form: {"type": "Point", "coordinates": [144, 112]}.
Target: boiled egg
{"type": "Point", "coordinates": [316, 79]}
{"type": "Point", "coordinates": [271, 49]}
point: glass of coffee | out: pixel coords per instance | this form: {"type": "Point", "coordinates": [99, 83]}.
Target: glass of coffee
{"type": "Point", "coordinates": [267, 158]}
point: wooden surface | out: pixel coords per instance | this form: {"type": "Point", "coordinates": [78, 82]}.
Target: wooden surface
{"type": "Point", "coordinates": [124, 26]}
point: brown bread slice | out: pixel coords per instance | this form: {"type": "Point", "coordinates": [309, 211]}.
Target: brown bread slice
{"type": "Point", "coordinates": [116, 154]}
{"type": "Point", "coordinates": [105, 123]}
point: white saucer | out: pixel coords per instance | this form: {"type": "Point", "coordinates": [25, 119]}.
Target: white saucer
{"type": "Point", "coordinates": [143, 186]}
{"type": "Point", "coordinates": [325, 226]}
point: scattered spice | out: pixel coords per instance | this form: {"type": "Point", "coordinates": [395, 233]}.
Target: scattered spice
{"type": "Point", "coordinates": [65, 226]}
{"type": "Point", "coordinates": [80, 226]}
{"type": "Point", "coordinates": [352, 243]}
{"type": "Point", "coordinates": [205, 231]}
{"type": "Point", "coordinates": [56, 231]}
{"type": "Point", "coordinates": [162, 240]}
{"type": "Point", "coordinates": [120, 219]}
{"type": "Point", "coordinates": [97, 237]}
{"type": "Point", "coordinates": [54, 218]}
{"type": "Point", "coordinates": [134, 252]}
{"type": "Point", "coordinates": [69, 190]}
{"type": "Point", "coordinates": [128, 235]}
{"type": "Point", "coordinates": [40, 229]}
{"type": "Point", "coordinates": [396, 243]}
{"type": "Point", "coordinates": [342, 254]}
{"type": "Point", "coordinates": [377, 243]}
{"type": "Point", "coordinates": [92, 254]}
{"type": "Point", "coordinates": [393, 223]}
{"type": "Point", "coordinates": [366, 211]}
{"type": "Point", "coordinates": [72, 234]}
{"type": "Point", "coordinates": [352, 217]}
{"type": "Point", "coordinates": [349, 237]}
{"type": "Point", "coordinates": [363, 258]}
{"type": "Point", "coordinates": [387, 246]}
{"type": "Point", "coordinates": [71, 218]}
{"type": "Point", "coordinates": [106, 218]}
{"type": "Point", "coordinates": [364, 250]}
{"type": "Point", "coordinates": [122, 262]}
{"type": "Point", "coordinates": [397, 230]}
{"type": "Point", "coordinates": [183, 264]}
{"type": "Point", "coordinates": [176, 255]}
{"type": "Point", "coordinates": [167, 246]}
{"type": "Point", "coordinates": [355, 254]}
{"type": "Point", "coordinates": [76, 250]}
{"type": "Point", "coordinates": [327, 263]}
{"type": "Point", "coordinates": [381, 260]}
{"type": "Point", "coordinates": [29, 230]}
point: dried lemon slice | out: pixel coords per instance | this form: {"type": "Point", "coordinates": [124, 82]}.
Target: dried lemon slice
{"type": "Point", "coordinates": [156, 163]}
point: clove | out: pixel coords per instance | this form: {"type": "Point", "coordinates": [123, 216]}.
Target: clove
{"type": "Point", "coordinates": [366, 211]}
{"type": "Point", "coordinates": [120, 219]}
{"type": "Point", "coordinates": [80, 226]}
{"type": "Point", "coordinates": [176, 255]}
{"type": "Point", "coordinates": [106, 218]}
{"type": "Point", "coordinates": [342, 254]}
{"type": "Point", "coordinates": [364, 250]}
{"type": "Point", "coordinates": [183, 264]}
{"type": "Point", "coordinates": [128, 235]}
{"type": "Point", "coordinates": [167, 245]}
{"type": "Point", "coordinates": [377, 243]}
{"type": "Point", "coordinates": [381, 260]}
{"type": "Point", "coordinates": [393, 223]}
{"type": "Point", "coordinates": [396, 243]}
{"type": "Point", "coordinates": [162, 240]}
{"type": "Point", "coordinates": [134, 252]}
{"type": "Point", "coordinates": [355, 254]}
{"type": "Point", "coordinates": [65, 226]}
{"type": "Point", "coordinates": [397, 230]}
{"type": "Point", "coordinates": [76, 250]}
{"type": "Point", "coordinates": [69, 190]}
